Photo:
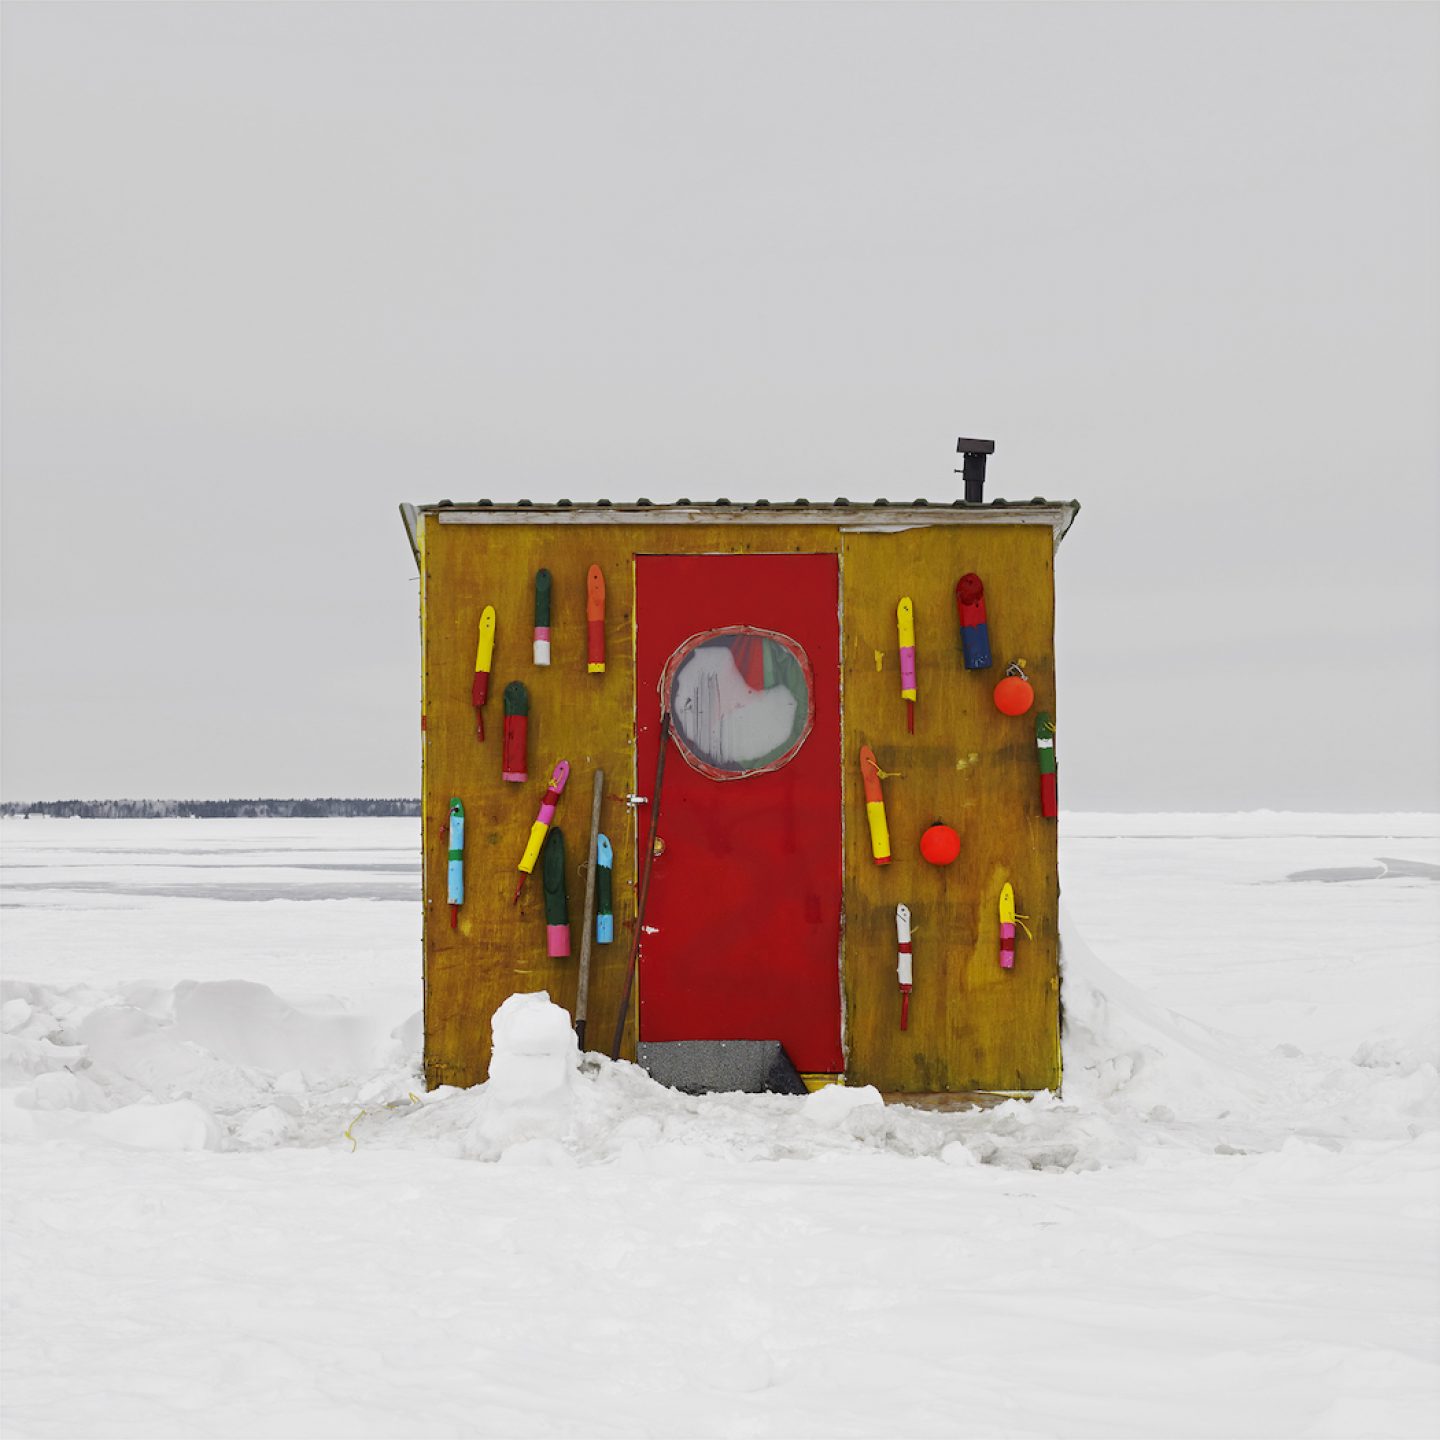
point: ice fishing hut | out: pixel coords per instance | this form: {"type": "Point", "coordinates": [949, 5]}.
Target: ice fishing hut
{"type": "Point", "coordinates": [778, 637]}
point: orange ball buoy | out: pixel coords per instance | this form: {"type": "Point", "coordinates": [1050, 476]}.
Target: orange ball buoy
{"type": "Point", "coordinates": [940, 845]}
{"type": "Point", "coordinates": [1014, 695]}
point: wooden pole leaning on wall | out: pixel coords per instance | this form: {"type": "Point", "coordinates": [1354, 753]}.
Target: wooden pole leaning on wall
{"type": "Point", "coordinates": [644, 888]}
{"type": "Point", "coordinates": [587, 933]}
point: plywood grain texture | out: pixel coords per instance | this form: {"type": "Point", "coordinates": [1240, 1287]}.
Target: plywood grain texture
{"type": "Point", "coordinates": [973, 1027]}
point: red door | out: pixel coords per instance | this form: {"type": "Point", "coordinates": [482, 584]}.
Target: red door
{"type": "Point", "coordinates": [742, 934]}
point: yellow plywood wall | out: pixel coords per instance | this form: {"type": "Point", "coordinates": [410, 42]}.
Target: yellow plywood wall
{"type": "Point", "coordinates": [972, 1026]}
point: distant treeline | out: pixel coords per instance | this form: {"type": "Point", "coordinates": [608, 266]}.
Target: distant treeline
{"type": "Point", "coordinates": [209, 809]}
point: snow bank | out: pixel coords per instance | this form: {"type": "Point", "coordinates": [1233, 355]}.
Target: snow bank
{"type": "Point", "coordinates": [232, 1065]}
{"type": "Point", "coordinates": [213, 1065]}
{"type": "Point", "coordinates": [249, 1025]}
{"type": "Point", "coordinates": [1129, 1058]}
{"type": "Point", "coordinates": [1138, 1078]}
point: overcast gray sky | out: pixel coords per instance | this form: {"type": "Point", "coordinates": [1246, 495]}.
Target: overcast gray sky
{"type": "Point", "coordinates": [271, 269]}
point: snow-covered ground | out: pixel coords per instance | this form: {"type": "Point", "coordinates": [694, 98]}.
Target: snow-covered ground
{"type": "Point", "coordinates": [231, 1211]}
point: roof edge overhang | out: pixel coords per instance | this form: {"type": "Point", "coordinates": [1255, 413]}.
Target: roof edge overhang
{"type": "Point", "coordinates": [879, 516]}
{"type": "Point", "coordinates": [410, 518]}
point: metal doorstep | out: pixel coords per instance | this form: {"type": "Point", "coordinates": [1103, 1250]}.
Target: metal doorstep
{"type": "Point", "coordinates": [703, 1067]}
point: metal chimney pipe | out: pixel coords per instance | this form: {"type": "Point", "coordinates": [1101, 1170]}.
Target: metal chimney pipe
{"type": "Point", "coordinates": [974, 452]}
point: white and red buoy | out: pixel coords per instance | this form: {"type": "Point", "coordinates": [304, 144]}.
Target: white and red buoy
{"type": "Point", "coordinates": [907, 977]}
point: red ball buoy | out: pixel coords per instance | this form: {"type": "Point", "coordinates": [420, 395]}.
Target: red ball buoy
{"type": "Point", "coordinates": [940, 844]}
{"type": "Point", "coordinates": [1014, 695]}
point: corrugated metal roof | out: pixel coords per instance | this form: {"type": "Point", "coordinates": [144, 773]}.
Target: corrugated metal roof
{"type": "Point", "coordinates": [868, 514]}
{"type": "Point", "coordinates": [840, 502]}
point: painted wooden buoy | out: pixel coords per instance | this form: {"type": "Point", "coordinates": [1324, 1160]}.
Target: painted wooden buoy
{"type": "Point", "coordinates": [455, 862]}
{"type": "Point", "coordinates": [1045, 746]}
{"type": "Point", "coordinates": [1008, 921]}
{"type": "Point", "coordinates": [595, 620]}
{"type": "Point", "coordinates": [557, 914]}
{"type": "Point", "coordinates": [906, 968]}
{"type": "Point", "coordinates": [604, 891]}
{"type": "Point", "coordinates": [484, 656]}
{"type": "Point", "coordinates": [875, 806]}
{"type": "Point", "coordinates": [542, 617]}
{"type": "Point", "coordinates": [541, 824]}
{"type": "Point", "coordinates": [974, 628]}
{"type": "Point", "coordinates": [514, 761]}
{"type": "Point", "coordinates": [1007, 926]}
{"type": "Point", "coordinates": [909, 691]}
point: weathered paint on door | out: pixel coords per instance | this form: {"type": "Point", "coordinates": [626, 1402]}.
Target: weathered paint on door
{"type": "Point", "coordinates": [743, 929]}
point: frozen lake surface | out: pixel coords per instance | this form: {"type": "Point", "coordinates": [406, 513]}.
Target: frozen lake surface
{"type": "Point", "coordinates": [230, 1210]}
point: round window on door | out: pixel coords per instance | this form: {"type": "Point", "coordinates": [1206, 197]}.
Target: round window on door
{"type": "Point", "coordinates": [740, 700]}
